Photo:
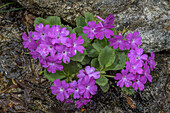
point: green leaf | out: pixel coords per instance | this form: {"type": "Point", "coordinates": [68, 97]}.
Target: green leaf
{"type": "Point", "coordinates": [53, 76]}
{"type": "Point", "coordinates": [40, 20]}
{"type": "Point", "coordinates": [72, 67]}
{"type": "Point", "coordinates": [86, 40]}
{"type": "Point", "coordinates": [96, 19]}
{"type": "Point", "coordinates": [119, 63]}
{"type": "Point", "coordinates": [105, 88]}
{"type": "Point", "coordinates": [69, 78]}
{"type": "Point", "coordinates": [103, 72]}
{"type": "Point", "coordinates": [69, 28]}
{"type": "Point", "coordinates": [41, 72]}
{"type": "Point", "coordinates": [78, 57]}
{"type": "Point", "coordinates": [86, 60]}
{"type": "Point", "coordinates": [78, 30]}
{"type": "Point", "coordinates": [27, 53]}
{"type": "Point", "coordinates": [115, 31]}
{"type": "Point", "coordinates": [106, 56]}
{"type": "Point", "coordinates": [80, 21]}
{"type": "Point", "coordinates": [99, 44]}
{"type": "Point", "coordinates": [91, 52]}
{"type": "Point", "coordinates": [102, 81]}
{"type": "Point", "coordinates": [88, 16]}
{"type": "Point", "coordinates": [95, 63]}
{"type": "Point", "coordinates": [53, 20]}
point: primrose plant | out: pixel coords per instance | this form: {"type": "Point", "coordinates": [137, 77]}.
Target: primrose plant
{"type": "Point", "coordinates": [76, 60]}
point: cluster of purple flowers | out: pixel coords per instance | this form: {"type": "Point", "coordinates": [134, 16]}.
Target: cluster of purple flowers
{"type": "Point", "coordinates": [133, 41]}
{"type": "Point", "coordinates": [137, 70]}
{"type": "Point", "coordinates": [100, 30]}
{"type": "Point", "coordinates": [52, 45]}
{"type": "Point", "coordinates": [83, 89]}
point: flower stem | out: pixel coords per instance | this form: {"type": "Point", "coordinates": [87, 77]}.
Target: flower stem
{"type": "Point", "coordinates": [110, 76]}
{"type": "Point", "coordinates": [100, 18]}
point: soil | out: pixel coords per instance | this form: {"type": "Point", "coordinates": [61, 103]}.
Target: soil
{"type": "Point", "coordinates": [23, 89]}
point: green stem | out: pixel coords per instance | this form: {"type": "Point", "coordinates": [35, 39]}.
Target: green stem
{"type": "Point", "coordinates": [65, 73]}
{"type": "Point", "coordinates": [110, 76]}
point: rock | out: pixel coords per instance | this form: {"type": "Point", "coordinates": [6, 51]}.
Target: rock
{"type": "Point", "coordinates": [150, 18]}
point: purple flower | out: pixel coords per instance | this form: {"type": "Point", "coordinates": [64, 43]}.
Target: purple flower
{"type": "Point", "coordinates": [87, 87]}
{"type": "Point", "coordinates": [89, 72]}
{"type": "Point", "coordinates": [41, 31]}
{"type": "Point", "coordinates": [64, 53]}
{"type": "Point", "coordinates": [43, 61]}
{"type": "Point", "coordinates": [90, 30]}
{"type": "Point", "coordinates": [28, 41]}
{"type": "Point", "coordinates": [35, 54]}
{"type": "Point", "coordinates": [103, 31]}
{"type": "Point", "coordinates": [134, 39]}
{"type": "Point", "coordinates": [58, 35]}
{"type": "Point", "coordinates": [134, 67]}
{"type": "Point", "coordinates": [50, 48]}
{"type": "Point", "coordinates": [127, 46]}
{"type": "Point", "coordinates": [60, 89]}
{"type": "Point", "coordinates": [118, 42]}
{"type": "Point", "coordinates": [81, 102]}
{"type": "Point", "coordinates": [108, 22]}
{"type": "Point", "coordinates": [151, 61]}
{"type": "Point", "coordinates": [75, 44]}
{"type": "Point", "coordinates": [104, 28]}
{"type": "Point", "coordinates": [74, 89]}
{"type": "Point", "coordinates": [81, 74]}
{"type": "Point", "coordinates": [52, 64]}
{"type": "Point", "coordinates": [146, 73]}
{"type": "Point", "coordinates": [124, 78]}
{"type": "Point", "coordinates": [139, 83]}
{"type": "Point", "coordinates": [137, 54]}
{"type": "Point", "coordinates": [45, 49]}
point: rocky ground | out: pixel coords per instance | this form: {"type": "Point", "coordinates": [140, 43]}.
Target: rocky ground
{"type": "Point", "coordinates": [23, 89]}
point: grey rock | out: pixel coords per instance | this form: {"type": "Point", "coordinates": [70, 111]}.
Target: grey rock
{"type": "Point", "coordinates": [149, 17]}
